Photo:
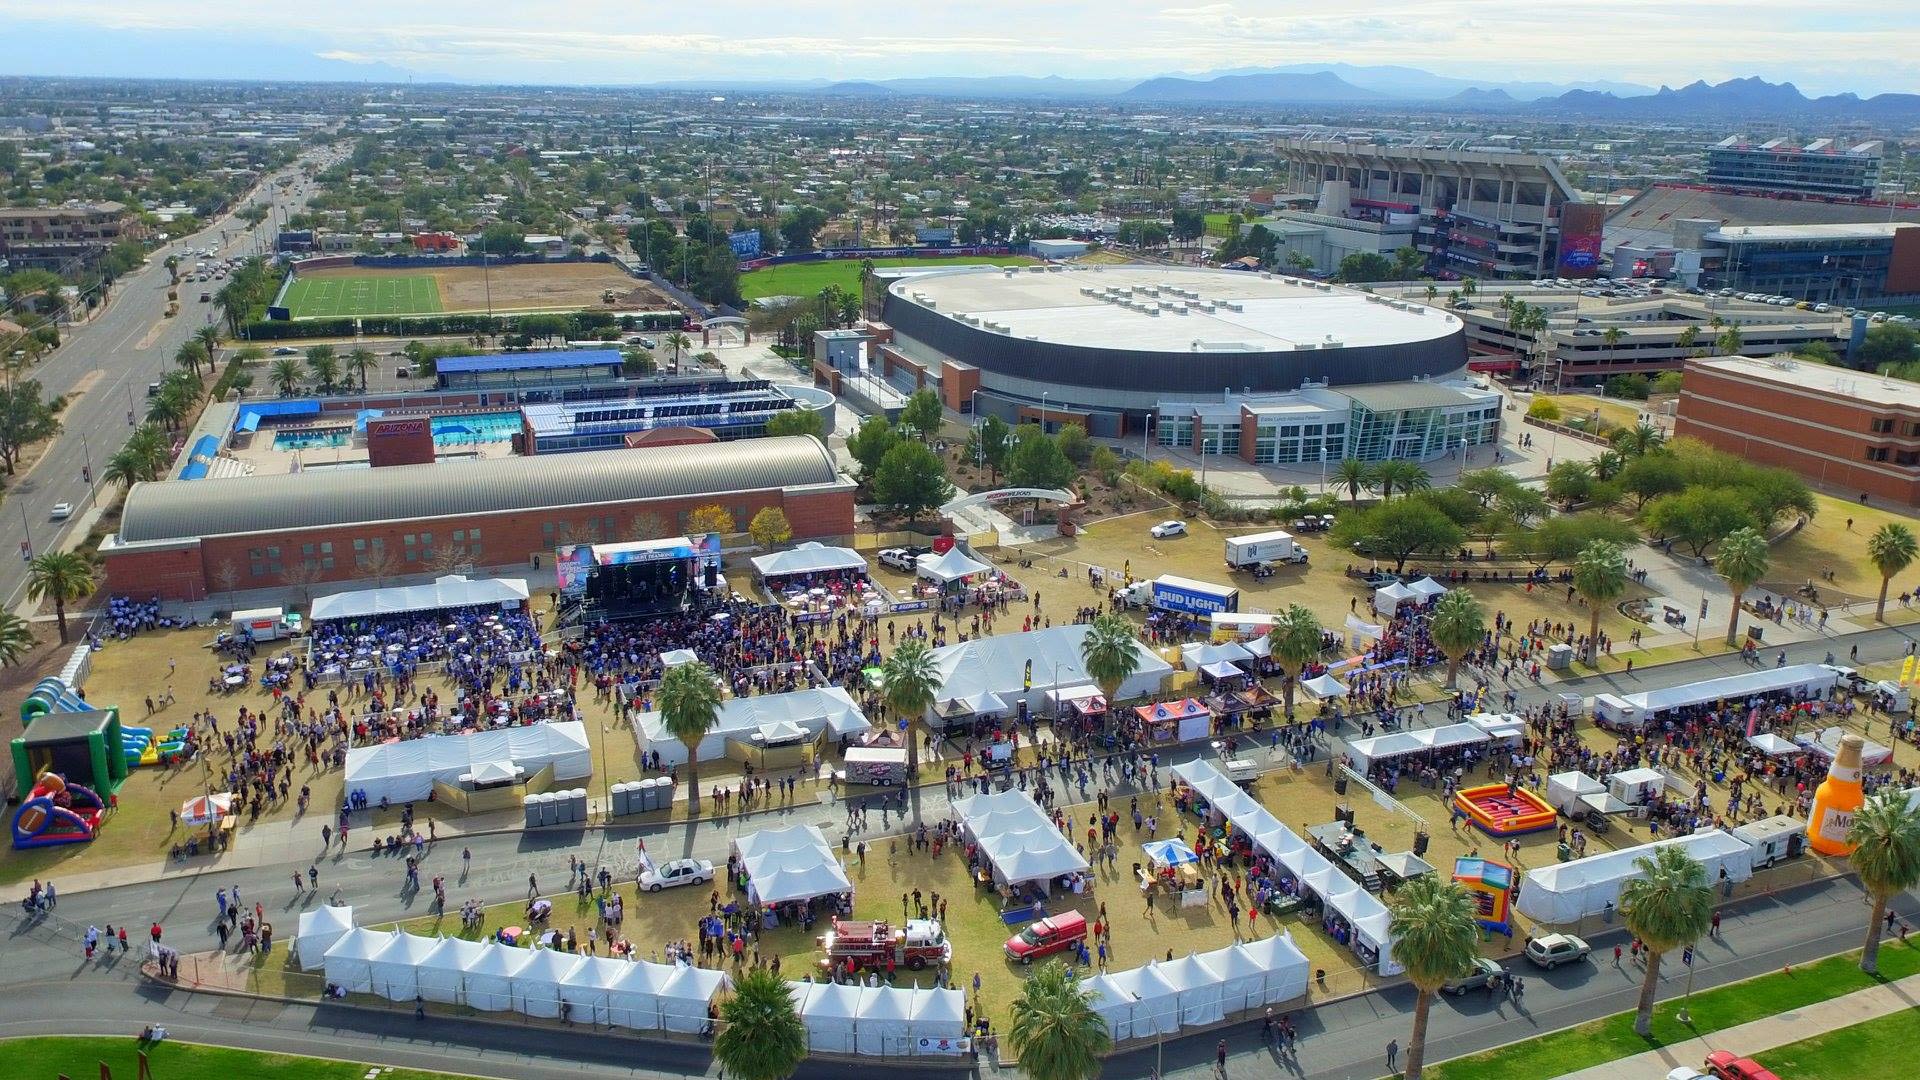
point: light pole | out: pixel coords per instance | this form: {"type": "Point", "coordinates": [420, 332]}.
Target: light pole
{"type": "Point", "coordinates": [87, 475]}
{"type": "Point", "coordinates": [1683, 1016]}
{"type": "Point", "coordinates": [1043, 411]}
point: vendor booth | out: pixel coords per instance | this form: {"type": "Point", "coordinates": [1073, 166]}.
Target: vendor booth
{"type": "Point", "coordinates": [951, 569]}
{"type": "Point", "coordinates": [1773, 745]}
{"type": "Point", "coordinates": [1826, 743]}
{"type": "Point", "coordinates": [1015, 844]}
{"type": "Point", "coordinates": [1568, 892]}
{"type": "Point", "coordinates": [808, 558]}
{"type": "Point", "coordinates": [443, 594]}
{"type": "Point", "coordinates": [1022, 668]}
{"type": "Point", "coordinates": [1173, 865]}
{"type": "Point", "coordinates": [394, 970]}
{"type": "Point", "coordinates": [408, 771]}
{"type": "Point", "coordinates": [1426, 589]}
{"type": "Point", "coordinates": [790, 864]}
{"type": "Point", "coordinates": [349, 960]}
{"type": "Point", "coordinates": [1388, 598]}
{"type": "Point", "coordinates": [1173, 721]}
{"type": "Point", "coordinates": [317, 931]}
{"type": "Point", "coordinates": [1197, 655]}
{"type": "Point", "coordinates": [1636, 787]}
{"type": "Point", "coordinates": [1794, 681]}
{"type": "Point", "coordinates": [768, 731]}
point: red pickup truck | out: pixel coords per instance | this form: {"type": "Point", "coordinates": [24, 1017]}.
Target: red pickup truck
{"type": "Point", "coordinates": [1726, 1066]}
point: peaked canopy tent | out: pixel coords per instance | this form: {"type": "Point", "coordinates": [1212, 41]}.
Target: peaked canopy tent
{"type": "Point", "coordinates": [1197, 990]}
{"type": "Point", "coordinates": [1197, 655]}
{"type": "Point", "coordinates": [939, 1013]}
{"type": "Point", "coordinates": [536, 985]}
{"type": "Point", "coordinates": [829, 1011]}
{"type": "Point", "coordinates": [1156, 1009]}
{"type": "Point", "coordinates": [1568, 892]}
{"type": "Point", "coordinates": [1112, 1002]}
{"type": "Point", "coordinates": [486, 983]}
{"type": "Point", "coordinates": [316, 933]}
{"type": "Point", "coordinates": [1773, 745]}
{"type": "Point", "coordinates": [349, 962]}
{"type": "Point", "coordinates": [1367, 752]}
{"type": "Point", "coordinates": [1180, 721]}
{"type": "Point", "coordinates": [999, 664]}
{"type": "Point", "coordinates": [586, 988]}
{"type": "Point", "coordinates": [1263, 971]}
{"type": "Point", "coordinates": [794, 863]}
{"type": "Point", "coordinates": [395, 969]}
{"type": "Point", "coordinates": [687, 994]}
{"type": "Point", "coordinates": [1388, 598]}
{"type": "Point", "coordinates": [1018, 840]}
{"type": "Point", "coordinates": [444, 594]}
{"type": "Point", "coordinates": [633, 999]}
{"type": "Point", "coordinates": [406, 771]}
{"type": "Point", "coordinates": [808, 558]}
{"type": "Point", "coordinates": [439, 976]}
{"type": "Point", "coordinates": [1427, 588]}
{"type": "Point", "coordinates": [885, 1023]}
{"type": "Point", "coordinates": [955, 565]}
{"type": "Point", "coordinates": [1325, 686]}
{"type": "Point", "coordinates": [826, 708]}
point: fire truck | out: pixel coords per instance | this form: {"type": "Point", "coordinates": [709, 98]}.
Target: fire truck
{"type": "Point", "coordinates": [869, 944]}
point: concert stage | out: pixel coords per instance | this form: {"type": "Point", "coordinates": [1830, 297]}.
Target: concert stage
{"type": "Point", "coordinates": [642, 579]}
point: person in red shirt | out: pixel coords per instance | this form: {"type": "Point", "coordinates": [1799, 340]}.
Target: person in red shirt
{"type": "Point", "coordinates": [155, 931]}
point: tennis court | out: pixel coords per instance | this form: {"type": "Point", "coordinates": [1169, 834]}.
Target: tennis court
{"type": "Point", "coordinates": [330, 296]}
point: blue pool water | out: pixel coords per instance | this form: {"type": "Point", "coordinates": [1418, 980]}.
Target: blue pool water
{"type": "Point", "coordinates": [447, 431]}
{"type": "Point", "coordinates": [311, 439]}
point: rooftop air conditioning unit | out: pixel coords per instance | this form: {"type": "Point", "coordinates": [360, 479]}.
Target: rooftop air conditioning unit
{"type": "Point", "coordinates": [1304, 346]}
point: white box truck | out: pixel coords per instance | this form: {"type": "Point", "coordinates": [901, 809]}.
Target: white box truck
{"type": "Point", "coordinates": [1260, 549]}
{"type": "Point", "coordinates": [1184, 595]}
{"type": "Point", "coordinates": [1774, 839]}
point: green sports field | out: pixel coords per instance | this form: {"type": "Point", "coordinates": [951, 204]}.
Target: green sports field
{"type": "Point", "coordinates": [345, 296]}
{"type": "Point", "coordinates": [808, 278]}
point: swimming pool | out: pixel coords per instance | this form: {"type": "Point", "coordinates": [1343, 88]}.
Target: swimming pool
{"type": "Point", "coordinates": [311, 438]}
{"type": "Point", "coordinates": [475, 428]}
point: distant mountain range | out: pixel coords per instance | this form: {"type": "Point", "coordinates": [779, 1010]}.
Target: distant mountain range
{"type": "Point", "coordinates": [1740, 97]}
{"type": "Point", "coordinates": [1288, 87]}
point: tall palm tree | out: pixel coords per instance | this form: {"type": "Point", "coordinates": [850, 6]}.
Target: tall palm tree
{"type": "Point", "coordinates": [1743, 562]}
{"type": "Point", "coordinates": [63, 576]}
{"type": "Point", "coordinates": [1054, 1030]}
{"type": "Point", "coordinates": [167, 409]}
{"type": "Point", "coordinates": [1293, 642]}
{"type": "Point", "coordinates": [151, 449]}
{"type": "Point", "coordinates": [1668, 905]}
{"type": "Point", "coordinates": [689, 701]}
{"type": "Point", "coordinates": [1110, 652]}
{"type": "Point", "coordinates": [358, 361]}
{"type": "Point", "coordinates": [1402, 476]}
{"type": "Point", "coordinates": [209, 338]}
{"type": "Point", "coordinates": [1356, 476]}
{"type": "Point", "coordinates": [285, 374]}
{"type": "Point", "coordinates": [190, 355]}
{"type": "Point", "coordinates": [761, 1035]}
{"type": "Point", "coordinates": [909, 680]}
{"type": "Point", "coordinates": [16, 638]}
{"type": "Point", "coordinates": [1600, 576]}
{"type": "Point", "coordinates": [1458, 625]}
{"type": "Point", "coordinates": [324, 363]}
{"type": "Point", "coordinates": [1436, 937]}
{"type": "Point", "coordinates": [679, 343]}
{"type": "Point", "coordinates": [1892, 548]}
{"type": "Point", "coordinates": [1607, 464]}
{"type": "Point", "coordinates": [1612, 336]}
{"type": "Point", "coordinates": [1886, 855]}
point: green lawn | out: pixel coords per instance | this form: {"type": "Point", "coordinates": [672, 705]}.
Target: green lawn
{"type": "Point", "coordinates": [1612, 1038]}
{"type": "Point", "coordinates": [44, 1059]}
{"type": "Point", "coordinates": [1878, 1047]}
{"type": "Point", "coordinates": [808, 278]}
{"type": "Point", "coordinates": [335, 297]}
{"type": "Point", "coordinates": [1217, 225]}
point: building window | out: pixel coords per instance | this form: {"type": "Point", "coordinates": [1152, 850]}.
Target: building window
{"type": "Point", "coordinates": [474, 535]}
{"type": "Point", "coordinates": [409, 539]}
{"type": "Point", "coordinates": [273, 552]}
{"type": "Point", "coordinates": [326, 563]}
{"type": "Point", "coordinates": [306, 549]}
{"type": "Point", "coordinates": [360, 543]}
{"type": "Point", "coordinates": [413, 555]}
{"type": "Point", "coordinates": [459, 536]}
{"type": "Point", "coordinates": [1876, 453]}
{"type": "Point", "coordinates": [1907, 457]}
{"type": "Point", "coordinates": [326, 547]}
{"type": "Point", "coordinates": [1882, 425]}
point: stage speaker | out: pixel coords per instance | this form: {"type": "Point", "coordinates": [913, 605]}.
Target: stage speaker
{"type": "Point", "coordinates": [713, 575]}
{"type": "Point", "coordinates": [1420, 841]}
{"type": "Point", "coordinates": [1340, 785]}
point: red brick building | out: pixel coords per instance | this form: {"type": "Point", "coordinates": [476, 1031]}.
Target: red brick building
{"type": "Point", "coordinates": [1839, 428]}
{"type": "Point", "coordinates": [191, 539]}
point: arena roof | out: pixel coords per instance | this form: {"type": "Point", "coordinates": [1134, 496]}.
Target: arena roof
{"type": "Point", "coordinates": [540, 361]}
{"type": "Point", "coordinates": [1275, 313]}
{"type": "Point", "coordinates": [1648, 219]}
{"type": "Point", "coordinates": [177, 510]}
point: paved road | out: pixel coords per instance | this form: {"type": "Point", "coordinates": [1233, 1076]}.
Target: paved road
{"type": "Point", "coordinates": [114, 357]}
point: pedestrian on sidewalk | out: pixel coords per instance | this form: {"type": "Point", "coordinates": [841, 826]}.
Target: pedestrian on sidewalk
{"type": "Point", "coordinates": [1393, 1054]}
{"type": "Point", "coordinates": [1713, 929]}
{"type": "Point", "coordinates": [1220, 1057]}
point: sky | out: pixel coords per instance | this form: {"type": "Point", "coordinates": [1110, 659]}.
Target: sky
{"type": "Point", "coordinates": [1824, 46]}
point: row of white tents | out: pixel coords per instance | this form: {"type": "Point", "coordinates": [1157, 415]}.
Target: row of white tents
{"type": "Point", "coordinates": [1570, 891]}
{"type": "Point", "coordinates": [1019, 840]}
{"type": "Point", "coordinates": [880, 1020]}
{"type": "Point", "coordinates": [1368, 918]}
{"type": "Point", "coordinates": [406, 771]}
{"type": "Point", "coordinates": [1499, 729]}
{"type": "Point", "coordinates": [1160, 998]}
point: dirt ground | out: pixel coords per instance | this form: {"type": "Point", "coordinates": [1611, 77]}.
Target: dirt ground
{"type": "Point", "coordinates": [527, 287]}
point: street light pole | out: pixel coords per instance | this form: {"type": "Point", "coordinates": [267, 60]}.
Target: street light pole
{"type": "Point", "coordinates": [1043, 411]}
{"type": "Point", "coordinates": [1683, 1016]}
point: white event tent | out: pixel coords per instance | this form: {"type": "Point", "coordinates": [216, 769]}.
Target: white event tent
{"type": "Point", "coordinates": [1259, 972]}
{"type": "Point", "coordinates": [633, 1001]}
{"type": "Point", "coordinates": [586, 988]}
{"type": "Point", "coordinates": [828, 708]}
{"type": "Point", "coordinates": [1017, 838]}
{"type": "Point", "coordinates": [349, 963]}
{"type": "Point", "coordinates": [1196, 655]}
{"type": "Point", "coordinates": [811, 557]}
{"type": "Point", "coordinates": [406, 771]}
{"type": "Point", "coordinates": [998, 664]}
{"type": "Point", "coordinates": [1427, 588]}
{"type": "Point", "coordinates": [1388, 598]}
{"type": "Point", "coordinates": [394, 970]}
{"type": "Point", "coordinates": [950, 567]}
{"type": "Point", "coordinates": [793, 863]}
{"type": "Point", "coordinates": [1395, 744]}
{"type": "Point", "coordinates": [885, 1023]}
{"type": "Point", "coordinates": [536, 985]}
{"type": "Point", "coordinates": [1155, 1002]}
{"type": "Point", "coordinates": [441, 974]}
{"type": "Point", "coordinates": [1567, 892]}
{"type": "Point", "coordinates": [487, 981]}
{"type": "Point", "coordinates": [1197, 990]}
{"type": "Point", "coordinates": [686, 995]}
{"type": "Point", "coordinates": [317, 932]}
{"type": "Point", "coordinates": [452, 591]}
{"type": "Point", "coordinates": [829, 1011]}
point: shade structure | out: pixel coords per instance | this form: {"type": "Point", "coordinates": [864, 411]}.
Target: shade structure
{"type": "Point", "coordinates": [452, 591]}
{"type": "Point", "coordinates": [1773, 745]}
{"type": "Point", "coordinates": [317, 931]}
{"type": "Point", "coordinates": [1801, 680]}
{"type": "Point", "coordinates": [1190, 718]}
{"type": "Point", "coordinates": [1221, 669]}
{"type": "Point", "coordinates": [1197, 655]}
{"type": "Point", "coordinates": [1018, 840]}
{"type": "Point", "coordinates": [999, 663]}
{"type": "Point", "coordinates": [441, 974]}
{"type": "Point", "coordinates": [677, 657]}
{"type": "Point", "coordinates": [794, 863]}
{"type": "Point", "coordinates": [406, 771]}
{"type": "Point", "coordinates": [953, 566]}
{"type": "Point", "coordinates": [394, 970]}
{"type": "Point", "coordinates": [536, 985]}
{"type": "Point", "coordinates": [206, 809]}
{"type": "Point", "coordinates": [686, 995]}
{"type": "Point", "coordinates": [1282, 966]}
{"type": "Point", "coordinates": [1826, 743]}
{"type": "Point", "coordinates": [1387, 599]}
{"type": "Point", "coordinates": [1113, 1003]}
{"type": "Point", "coordinates": [1567, 892]}
{"type": "Point", "coordinates": [487, 982]}
{"type": "Point", "coordinates": [1155, 1003]}
{"type": "Point", "coordinates": [830, 1011]}
{"type": "Point", "coordinates": [1325, 686]}
{"type": "Point", "coordinates": [808, 558]}
{"type": "Point", "coordinates": [349, 963]}
{"type": "Point", "coordinates": [939, 1016]}
{"type": "Point", "coordinates": [827, 708]}
{"type": "Point", "coordinates": [1427, 588]}
{"type": "Point", "coordinates": [1196, 989]}
{"type": "Point", "coordinates": [633, 1000]}
{"type": "Point", "coordinates": [1174, 852]}
{"type": "Point", "coordinates": [885, 1021]}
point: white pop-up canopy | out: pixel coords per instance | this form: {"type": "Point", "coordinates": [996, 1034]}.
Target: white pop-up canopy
{"type": "Point", "coordinates": [950, 567]}
{"type": "Point", "coordinates": [886, 1020]}
{"type": "Point", "coordinates": [1196, 989]}
{"type": "Point", "coordinates": [1388, 598]}
{"type": "Point", "coordinates": [536, 986]}
{"type": "Point", "coordinates": [939, 1014]}
{"type": "Point", "coordinates": [487, 983]}
{"type": "Point", "coordinates": [349, 963]}
{"type": "Point", "coordinates": [585, 989]}
{"type": "Point", "coordinates": [1568, 892]}
{"type": "Point", "coordinates": [686, 995]}
{"type": "Point", "coordinates": [1259, 972]}
{"type": "Point", "coordinates": [793, 863]}
{"type": "Point", "coordinates": [317, 931]}
{"type": "Point", "coordinates": [406, 771]}
{"type": "Point", "coordinates": [633, 1000]}
{"type": "Point", "coordinates": [1017, 838]}
{"type": "Point", "coordinates": [998, 663]}
{"type": "Point", "coordinates": [676, 657]}
{"type": "Point", "coordinates": [447, 593]}
{"type": "Point", "coordinates": [808, 558]}
{"type": "Point", "coordinates": [1428, 588]}
{"type": "Point", "coordinates": [828, 708]}
{"type": "Point", "coordinates": [1156, 1007]}
{"type": "Point", "coordinates": [440, 974]}
{"type": "Point", "coordinates": [829, 1010]}
{"type": "Point", "coordinates": [1196, 655]}
{"type": "Point", "coordinates": [1773, 745]}
{"type": "Point", "coordinates": [394, 970]}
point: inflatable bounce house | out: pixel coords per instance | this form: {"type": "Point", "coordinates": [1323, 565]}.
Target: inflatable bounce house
{"type": "Point", "coordinates": [1499, 810]}
{"type": "Point", "coordinates": [56, 812]}
{"type": "Point", "coordinates": [139, 745]}
{"type": "Point", "coordinates": [1490, 885]}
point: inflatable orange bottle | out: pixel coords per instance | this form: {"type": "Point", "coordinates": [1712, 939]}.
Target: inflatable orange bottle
{"type": "Point", "coordinates": [1835, 801]}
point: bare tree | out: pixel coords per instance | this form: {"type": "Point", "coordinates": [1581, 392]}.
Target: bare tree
{"type": "Point", "coordinates": [380, 565]}
{"type": "Point", "coordinates": [449, 560]}
{"type": "Point", "coordinates": [646, 526]}
{"type": "Point", "coordinates": [227, 577]}
{"type": "Point", "coordinates": [302, 576]}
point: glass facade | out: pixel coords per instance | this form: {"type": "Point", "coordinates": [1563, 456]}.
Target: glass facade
{"type": "Point", "coordinates": [1175, 430]}
{"type": "Point", "coordinates": [1418, 434]}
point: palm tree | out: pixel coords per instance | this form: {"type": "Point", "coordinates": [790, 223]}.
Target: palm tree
{"type": "Point", "coordinates": [1891, 549]}
{"type": "Point", "coordinates": [1607, 464]}
{"type": "Point", "coordinates": [209, 338]}
{"type": "Point", "coordinates": [1457, 626]}
{"type": "Point", "coordinates": [62, 575]}
{"type": "Point", "coordinates": [1054, 1030]}
{"type": "Point", "coordinates": [1743, 562]}
{"type": "Point", "coordinates": [1729, 341]}
{"type": "Point", "coordinates": [1403, 476]}
{"type": "Point", "coordinates": [1612, 336]}
{"type": "Point", "coordinates": [167, 408]}
{"type": "Point", "coordinates": [1356, 476]}
{"type": "Point", "coordinates": [909, 680]}
{"type": "Point", "coordinates": [1640, 439]}
{"type": "Point", "coordinates": [325, 365]}
{"type": "Point", "coordinates": [1468, 287]}
{"type": "Point", "coordinates": [761, 1036]}
{"type": "Point", "coordinates": [1600, 576]}
{"type": "Point", "coordinates": [1110, 652]}
{"type": "Point", "coordinates": [1293, 642]}
{"type": "Point", "coordinates": [679, 343]}
{"type": "Point", "coordinates": [285, 374]}
{"type": "Point", "coordinates": [1886, 855]}
{"type": "Point", "coordinates": [359, 360]}
{"type": "Point", "coordinates": [1436, 938]}
{"type": "Point", "coordinates": [1688, 335]}
{"type": "Point", "coordinates": [16, 638]}
{"type": "Point", "coordinates": [689, 702]}
{"type": "Point", "coordinates": [1432, 291]}
{"type": "Point", "coordinates": [151, 449]}
{"type": "Point", "coordinates": [191, 355]}
{"type": "Point", "coordinates": [1668, 905]}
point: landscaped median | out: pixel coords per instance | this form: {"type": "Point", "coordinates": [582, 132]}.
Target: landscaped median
{"type": "Point", "coordinates": [170, 1060]}
{"type": "Point", "coordinates": [1612, 1038]}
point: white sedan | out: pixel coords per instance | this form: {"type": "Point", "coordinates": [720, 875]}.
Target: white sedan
{"type": "Point", "coordinates": [1168, 529]}
{"type": "Point", "coordinates": [678, 872]}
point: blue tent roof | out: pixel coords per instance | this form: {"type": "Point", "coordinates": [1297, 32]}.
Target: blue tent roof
{"type": "Point", "coordinates": [254, 411]}
{"type": "Point", "coordinates": [200, 458]}
{"type": "Point", "coordinates": [539, 361]}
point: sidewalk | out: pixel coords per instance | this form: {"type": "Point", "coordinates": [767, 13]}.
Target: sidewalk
{"type": "Point", "coordinates": [1759, 1036]}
